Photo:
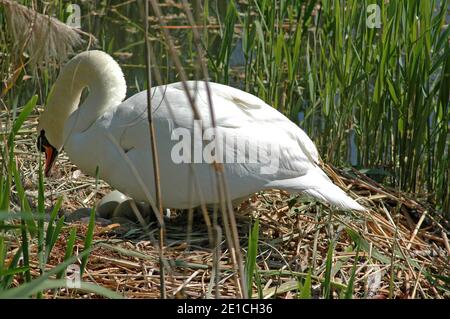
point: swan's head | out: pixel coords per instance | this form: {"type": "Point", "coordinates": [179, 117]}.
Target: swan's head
{"type": "Point", "coordinates": [94, 70]}
{"type": "Point", "coordinates": [49, 140]}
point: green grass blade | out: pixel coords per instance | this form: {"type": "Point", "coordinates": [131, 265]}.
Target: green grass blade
{"type": "Point", "coordinates": [69, 248]}
{"type": "Point", "coordinates": [329, 263]}
{"type": "Point", "coordinates": [26, 209]}
{"type": "Point", "coordinates": [36, 287]}
{"type": "Point", "coordinates": [7, 279]}
{"type": "Point", "coordinates": [88, 239]}
{"type": "Point", "coordinates": [41, 217]}
{"type": "Point", "coordinates": [305, 293]}
{"type": "Point", "coordinates": [252, 252]}
{"type": "Point", "coordinates": [351, 282]}
{"type": "Point", "coordinates": [50, 227]}
{"type": "Point", "coordinates": [25, 250]}
{"type": "Point", "coordinates": [55, 236]}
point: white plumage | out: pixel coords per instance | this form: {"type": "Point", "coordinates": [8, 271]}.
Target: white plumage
{"type": "Point", "coordinates": [112, 135]}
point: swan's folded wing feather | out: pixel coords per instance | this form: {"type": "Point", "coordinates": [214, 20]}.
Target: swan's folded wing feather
{"type": "Point", "coordinates": [233, 109]}
{"type": "Point", "coordinates": [239, 108]}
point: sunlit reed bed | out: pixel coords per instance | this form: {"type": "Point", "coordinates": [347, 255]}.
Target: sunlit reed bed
{"type": "Point", "coordinates": [371, 91]}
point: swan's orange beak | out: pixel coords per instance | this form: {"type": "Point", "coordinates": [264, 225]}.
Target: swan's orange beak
{"type": "Point", "coordinates": [50, 155]}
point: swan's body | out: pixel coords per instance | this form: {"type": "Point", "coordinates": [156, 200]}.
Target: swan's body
{"type": "Point", "coordinates": [113, 135]}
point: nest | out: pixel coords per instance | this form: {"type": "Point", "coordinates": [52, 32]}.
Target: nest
{"type": "Point", "coordinates": [403, 246]}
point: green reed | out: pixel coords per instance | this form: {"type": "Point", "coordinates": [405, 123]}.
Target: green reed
{"type": "Point", "coordinates": [377, 94]}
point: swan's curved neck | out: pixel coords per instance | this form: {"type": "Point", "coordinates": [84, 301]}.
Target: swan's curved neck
{"type": "Point", "coordinates": [101, 75]}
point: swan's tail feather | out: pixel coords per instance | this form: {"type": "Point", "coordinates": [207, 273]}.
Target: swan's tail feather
{"type": "Point", "coordinates": [319, 186]}
{"type": "Point", "coordinates": [335, 196]}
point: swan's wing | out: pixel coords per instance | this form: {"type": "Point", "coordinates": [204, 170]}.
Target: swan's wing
{"type": "Point", "coordinates": [236, 104]}
{"type": "Point", "coordinates": [236, 108]}
{"type": "Point", "coordinates": [238, 115]}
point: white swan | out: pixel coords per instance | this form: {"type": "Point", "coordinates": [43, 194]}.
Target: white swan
{"type": "Point", "coordinates": [113, 135]}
